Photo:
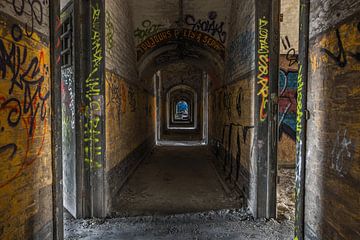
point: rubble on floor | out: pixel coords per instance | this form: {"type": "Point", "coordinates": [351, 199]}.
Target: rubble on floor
{"type": "Point", "coordinates": [286, 194]}
{"type": "Point", "coordinates": [236, 224]}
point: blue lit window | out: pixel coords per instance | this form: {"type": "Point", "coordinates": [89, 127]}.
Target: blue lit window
{"type": "Point", "coordinates": [182, 111]}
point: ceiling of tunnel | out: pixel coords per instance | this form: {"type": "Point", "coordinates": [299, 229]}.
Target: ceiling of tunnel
{"type": "Point", "coordinates": [150, 17]}
{"type": "Point", "coordinates": [169, 31]}
{"type": "Point", "coordinates": [181, 74]}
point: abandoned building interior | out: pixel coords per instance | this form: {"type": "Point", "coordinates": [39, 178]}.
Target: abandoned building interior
{"type": "Point", "coordinates": [180, 119]}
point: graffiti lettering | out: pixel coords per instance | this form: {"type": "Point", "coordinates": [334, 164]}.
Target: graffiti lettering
{"type": "Point", "coordinates": [109, 33]}
{"type": "Point", "coordinates": [23, 98]}
{"type": "Point", "coordinates": [115, 93]}
{"type": "Point", "coordinates": [299, 106]}
{"type": "Point", "coordinates": [226, 143]}
{"type": "Point", "coordinates": [92, 126]}
{"type": "Point", "coordinates": [28, 78]}
{"type": "Point", "coordinates": [340, 57]}
{"type": "Point", "coordinates": [291, 55]}
{"type": "Point", "coordinates": [147, 29]}
{"type": "Point", "coordinates": [36, 13]}
{"type": "Point", "coordinates": [263, 67]}
{"type": "Point", "coordinates": [172, 35]}
{"type": "Point", "coordinates": [209, 25]}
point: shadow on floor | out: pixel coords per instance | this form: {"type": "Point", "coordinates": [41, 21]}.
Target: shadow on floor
{"type": "Point", "coordinates": [174, 180]}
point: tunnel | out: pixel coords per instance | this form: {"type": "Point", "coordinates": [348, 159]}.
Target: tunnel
{"type": "Point", "coordinates": [182, 119]}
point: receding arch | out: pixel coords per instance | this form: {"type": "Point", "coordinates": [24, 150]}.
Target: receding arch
{"type": "Point", "coordinates": [201, 57]}
{"type": "Point", "coordinates": [176, 94]}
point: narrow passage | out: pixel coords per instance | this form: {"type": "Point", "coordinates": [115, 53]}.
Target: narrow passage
{"type": "Point", "coordinates": [175, 180]}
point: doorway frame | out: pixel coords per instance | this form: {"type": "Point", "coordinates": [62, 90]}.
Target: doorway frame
{"type": "Point", "coordinates": [56, 120]}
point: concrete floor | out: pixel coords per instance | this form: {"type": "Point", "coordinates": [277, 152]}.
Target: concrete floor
{"type": "Point", "coordinates": [184, 135]}
{"type": "Point", "coordinates": [175, 180]}
{"type": "Point", "coordinates": [175, 194]}
{"type": "Point", "coordinates": [213, 225]}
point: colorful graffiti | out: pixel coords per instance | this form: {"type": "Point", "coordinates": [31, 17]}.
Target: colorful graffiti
{"type": "Point", "coordinates": [93, 98]}
{"type": "Point", "coordinates": [24, 95]}
{"type": "Point", "coordinates": [287, 102]}
{"type": "Point", "coordinates": [263, 66]}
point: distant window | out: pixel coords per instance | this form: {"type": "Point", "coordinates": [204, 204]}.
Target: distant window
{"type": "Point", "coordinates": [182, 111]}
{"type": "Point", "coordinates": [66, 42]}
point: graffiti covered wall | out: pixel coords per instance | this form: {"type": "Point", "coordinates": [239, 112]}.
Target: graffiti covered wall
{"type": "Point", "coordinates": [129, 102]}
{"type": "Point", "coordinates": [130, 118]}
{"type": "Point", "coordinates": [231, 131]}
{"type": "Point", "coordinates": [333, 150]}
{"type": "Point", "coordinates": [231, 105]}
{"type": "Point", "coordinates": [288, 77]}
{"type": "Point", "coordinates": [25, 140]}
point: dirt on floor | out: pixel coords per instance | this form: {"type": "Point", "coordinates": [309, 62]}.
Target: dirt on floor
{"type": "Point", "coordinates": [174, 180]}
{"type": "Point", "coordinates": [286, 194]}
{"type": "Point", "coordinates": [176, 195]}
{"type": "Point", "coordinates": [236, 224]}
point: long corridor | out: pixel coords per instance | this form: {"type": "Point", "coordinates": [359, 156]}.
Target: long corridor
{"type": "Point", "coordinates": [175, 193]}
{"type": "Point", "coordinates": [180, 119]}
{"type": "Point", "coordinates": [175, 180]}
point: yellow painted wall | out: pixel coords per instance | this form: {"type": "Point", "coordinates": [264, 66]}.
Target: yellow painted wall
{"type": "Point", "coordinates": [233, 104]}
{"type": "Point", "coordinates": [25, 131]}
{"type": "Point", "coordinates": [130, 118]}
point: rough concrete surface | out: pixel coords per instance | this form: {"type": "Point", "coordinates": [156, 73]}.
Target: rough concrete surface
{"type": "Point", "coordinates": [174, 180]}
{"type": "Point", "coordinates": [217, 225]}
{"type": "Point", "coordinates": [286, 194]}
{"type": "Point", "coordinates": [175, 194]}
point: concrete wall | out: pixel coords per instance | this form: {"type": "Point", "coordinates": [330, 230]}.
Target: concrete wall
{"type": "Point", "coordinates": [231, 105]}
{"type": "Point", "coordinates": [130, 104]}
{"type": "Point", "coordinates": [155, 16]}
{"type": "Point", "coordinates": [289, 44]}
{"type": "Point", "coordinates": [181, 74]}
{"type": "Point", "coordinates": [333, 151]}
{"type": "Point", "coordinates": [25, 140]}
{"type": "Point", "coordinates": [289, 26]}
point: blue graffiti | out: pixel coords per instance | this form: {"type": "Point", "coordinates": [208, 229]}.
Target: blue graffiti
{"type": "Point", "coordinates": [287, 102]}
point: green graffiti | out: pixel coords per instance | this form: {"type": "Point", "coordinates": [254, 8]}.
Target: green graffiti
{"type": "Point", "coordinates": [92, 126]}
{"type": "Point", "coordinates": [299, 105]}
